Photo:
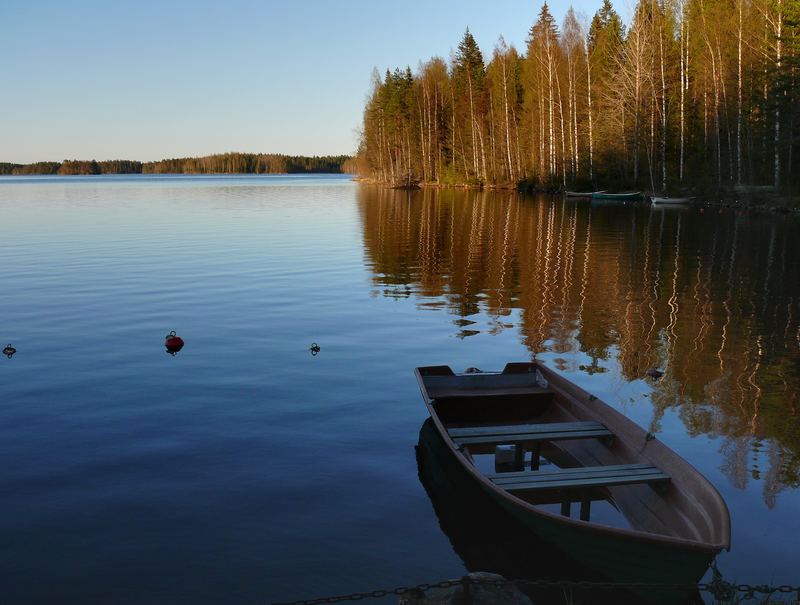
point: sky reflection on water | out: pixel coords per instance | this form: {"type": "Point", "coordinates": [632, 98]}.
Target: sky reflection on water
{"type": "Point", "coordinates": [246, 468]}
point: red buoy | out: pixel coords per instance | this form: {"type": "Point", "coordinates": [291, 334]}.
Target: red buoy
{"type": "Point", "coordinates": [173, 343]}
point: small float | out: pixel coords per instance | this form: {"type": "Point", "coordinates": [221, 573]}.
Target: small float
{"type": "Point", "coordinates": [173, 343]}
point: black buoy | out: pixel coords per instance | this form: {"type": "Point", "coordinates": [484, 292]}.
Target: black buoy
{"type": "Point", "coordinates": [9, 351]}
{"type": "Point", "coordinates": [314, 348]}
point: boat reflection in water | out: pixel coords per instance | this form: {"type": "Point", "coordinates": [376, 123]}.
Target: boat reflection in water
{"type": "Point", "coordinates": [487, 538]}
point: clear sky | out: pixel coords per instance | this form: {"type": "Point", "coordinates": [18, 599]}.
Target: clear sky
{"type": "Point", "coordinates": [166, 78]}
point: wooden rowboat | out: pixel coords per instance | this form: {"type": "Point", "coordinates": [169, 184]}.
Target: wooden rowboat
{"type": "Point", "coordinates": [487, 538]}
{"type": "Point", "coordinates": [667, 521]}
{"type": "Point", "coordinates": [582, 194]}
{"type": "Point", "coordinates": [630, 196]}
{"type": "Point", "coordinates": [672, 201]}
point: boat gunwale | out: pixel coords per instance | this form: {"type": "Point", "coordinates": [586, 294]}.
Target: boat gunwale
{"type": "Point", "coordinates": [635, 534]}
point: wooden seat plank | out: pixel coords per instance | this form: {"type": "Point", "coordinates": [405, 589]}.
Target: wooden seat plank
{"type": "Point", "coordinates": [578, 470]}
{"type": "Point", "coordinates": [531, 437]}
{"type": "Point", "coordinates": [579, 478]}
{"type": "Point", "coordinates": [528, 433]}
{"type": "Point", "coordinates": [584, 481]}
{"type": "Point", "coordinates": [445, 393]}
{"type": "Point", "coordinates": [477, 431]}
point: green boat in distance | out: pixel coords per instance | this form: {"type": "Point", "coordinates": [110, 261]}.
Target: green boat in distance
{"type": "Point", "coordinates": [667, 521]}
{"type": "Point", "coordinates": [582, 193]}
{"type": "Point", "coordinates": [630, 196]}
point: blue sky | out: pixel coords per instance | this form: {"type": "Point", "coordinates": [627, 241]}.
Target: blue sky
{"type": "Point", "coordinates": [151, 79]}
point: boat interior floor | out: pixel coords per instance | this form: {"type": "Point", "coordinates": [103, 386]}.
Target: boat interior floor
{"type": "Point", "coordinates": [552, 458]}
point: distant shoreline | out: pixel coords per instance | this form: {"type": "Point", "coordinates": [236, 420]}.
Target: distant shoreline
{"type": "Point", "coordinates": [225, 163]}
{"type": "Point", "coordinates": [186, 174]}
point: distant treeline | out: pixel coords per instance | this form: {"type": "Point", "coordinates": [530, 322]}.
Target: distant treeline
{"type": "Point", "coordinates": [225, 163]}
{"type": "Point", "coordinates": [692, 93]}
{"type": "Point", "coordinates": [247, 163]}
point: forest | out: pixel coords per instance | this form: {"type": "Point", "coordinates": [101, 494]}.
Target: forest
{"type": "Point", "coordinates": [226, 163]}
{"type": "Point", "coordinates": [247, 163]}
{"type": "Point", "coordinates": [690, 94]}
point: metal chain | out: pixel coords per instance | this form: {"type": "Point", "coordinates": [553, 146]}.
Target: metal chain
{"type": "Point", "coordinates": [717, 587]}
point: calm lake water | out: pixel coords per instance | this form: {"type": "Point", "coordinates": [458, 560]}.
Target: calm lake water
{"type": "Point", "coordinates": [244, 469]}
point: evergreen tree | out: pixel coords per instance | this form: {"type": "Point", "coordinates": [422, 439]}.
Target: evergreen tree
{"type": "Point", "coordinates": [469, 74]}
{"type": "Point", "coordinates": [699, 93]}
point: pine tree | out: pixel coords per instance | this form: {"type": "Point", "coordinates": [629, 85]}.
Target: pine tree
{"type": "Point", "coordinates": [469, 75]}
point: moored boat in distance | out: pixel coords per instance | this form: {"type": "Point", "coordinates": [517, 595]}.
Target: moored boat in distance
{"type": "Point", "coordinates": [629, 196]}
{"type": "Point", "coordinates": [535, 444]}
{"type": "Point", "coordinates": [672, 201]}
{"type": "Point", "coordinates": [582, 194]}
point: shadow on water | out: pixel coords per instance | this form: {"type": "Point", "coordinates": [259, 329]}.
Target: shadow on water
{"type": "Point", "coordinates": [487, 538]}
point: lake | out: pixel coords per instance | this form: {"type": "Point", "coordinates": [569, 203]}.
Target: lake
{"type": "Point", "coordinates": [245, 469]}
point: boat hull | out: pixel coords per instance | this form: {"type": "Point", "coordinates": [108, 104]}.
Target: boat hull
{"type": "Point", "coordinates": [578, 554]}
{"type": "Point", "coordinates": [620, 197]}
{"type": "Point", "coordinates": [617, 559]}
{"type": "Point", "coordinates": [674, 531]}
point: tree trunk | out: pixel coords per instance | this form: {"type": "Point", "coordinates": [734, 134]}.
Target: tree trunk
{"type": "Point", "coordinates": [422, 135]}
{"type": "Point", "coordinates": [651, 149]}
{"type": "Point", "coordinates": [472, 124]}
{"type": "Point", "coordinates": [569, 117]}
{"type": "Point", "coordinates": [636, 129]}
{"type": "Point", "coordinates": [550, 128]}
{"type": "Point", "coordinates": [778, 49]}
{"type": "Point", "coordinates": [716, 110]}
{"type": "Point", "coordinates": [478, 127]}
{"type": "Point", "coordinates": [453, 129]}
{"type": "Point", "coordinates": [542, 146]}
{"type": "Point", "coordinates": [508, 126]}
{"type": "Point", "coordinates": [589, 95]}
{"type": "Point", "coordinates": [683, 93]}
{"type": "Point", "coordinates": [563, 138]}
{"type": "Point", "coordinates": [739, 102]}
{"type": "Point", "coordinates": [663, 113]}
{"type": "Point", "coordinates": [436, 100]}
{"type": "Point", "coordinates": [493, 153]}
{"type": "Point", "coordinates": [725, 107]}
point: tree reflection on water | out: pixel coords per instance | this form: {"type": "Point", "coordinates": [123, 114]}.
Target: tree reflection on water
{"type": "Point", "coordinates": [710, 298]}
